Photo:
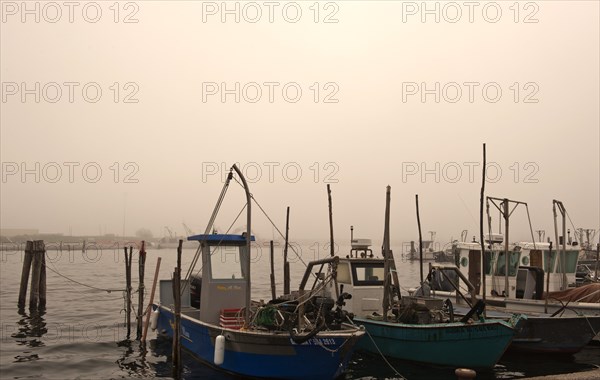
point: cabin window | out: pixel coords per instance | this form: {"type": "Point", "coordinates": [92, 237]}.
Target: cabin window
{"type": "Point", "coordinates": [225, 263]}
{"type": "Point", "coordinates": [489, 258]}
{"type": "Point", "coordinates": [367, 274]}
{"type": "Point", "coordinates": [571, 261]}
{"type": "Point", "coordinates": [513, 263]}
{"type": "Point", "coordinates": [549, 259]}
{"type": "Point", "coordinates": [343, 273]}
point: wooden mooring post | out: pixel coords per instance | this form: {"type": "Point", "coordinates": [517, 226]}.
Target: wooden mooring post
{"type": "Point", "coordinates": [34, 262]}
{"type": "Point", "coordinates": [141, 268]}
{"type": "Point", "coordinates": [177, 329]}
{"type": "Point", "coordinates": [151, 301]}
{"type": "Point", "coordinates": [286, 264]}
{"type": "Point", "coordinates": [128, 289]}
{"type": "Point", "coordinates": [273, 289]}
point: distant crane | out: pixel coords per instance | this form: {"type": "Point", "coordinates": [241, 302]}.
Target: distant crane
{"type": "Point", "coordinates": [188, 230]}
{"type": "Point", "coordinates": [171, 235]}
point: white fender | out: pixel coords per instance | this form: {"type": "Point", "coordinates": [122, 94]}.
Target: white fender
{"type": "Point", "coordinates": [154, 319]}
{"type": "Point", "coordinates": [219, 350]}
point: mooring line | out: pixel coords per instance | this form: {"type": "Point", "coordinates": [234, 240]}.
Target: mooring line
{"type": "Point", "coordinates": [82, 284]}
{"type": "Point", "coordinates": [378, 350]}
{"type": "Point", "coordinates": [383, 356]}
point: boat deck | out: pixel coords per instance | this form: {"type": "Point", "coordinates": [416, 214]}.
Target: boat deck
{"type": "Point", "coordinates": [191, 312]}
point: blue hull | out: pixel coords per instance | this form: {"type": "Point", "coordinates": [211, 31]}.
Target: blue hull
{"type": "Point", "coordinates": [262, 354]}
{"type": "Point", "coordinates": [477, 345]}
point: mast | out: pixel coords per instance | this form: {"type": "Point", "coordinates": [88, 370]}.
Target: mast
{"type": "Point", "coordinates": [248, 240]}
{"type": "Point", "coordinates": [481, 239]}
{"type": "Point", "coordinates": [505, 211]}
{"type": "Point", "coordinates": [420, 240]}
{"type": "Point", "coordinates": [388, 257]}
{"type": "Point", "coordinates": [506, 215]}
{"type": "Point", "coordinates": [561, 255]}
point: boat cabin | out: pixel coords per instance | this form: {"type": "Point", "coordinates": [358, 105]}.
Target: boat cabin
{"type": "Point", "coordinates": [363, 278]}
{"type": "Point", "coordinates": [528, 266]}
{"type": "Point", "coordinates": [223, 285]}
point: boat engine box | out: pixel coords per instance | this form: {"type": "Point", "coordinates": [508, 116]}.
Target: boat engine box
{"type": "Point", "coordinates": [429, 303]}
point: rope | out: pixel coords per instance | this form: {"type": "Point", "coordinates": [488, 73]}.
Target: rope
{"type": "Point", "coordinates": [82, 284]}
{"type": "Point", "coordinates": [319, 343]}
{"type": "Point", "coordinates": [594, 333]}
{"type": "Point", "coordinates": [380, 353]}
{"type": "Point", "coordinates": [383, 356]}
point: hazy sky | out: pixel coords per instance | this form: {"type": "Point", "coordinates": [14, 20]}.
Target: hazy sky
{"type": "Point", "coordinates": [389, 95]}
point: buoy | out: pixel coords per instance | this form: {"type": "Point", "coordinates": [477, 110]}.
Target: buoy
{"type": "Point", "coordinates": [465, 373]}
{"type": "Point", "coordinates": [154, 319]}
{"type": "Point", "coordinates": [219, 350]}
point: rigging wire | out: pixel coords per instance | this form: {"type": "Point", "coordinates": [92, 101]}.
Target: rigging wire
{"type": "Point", "coordinates": [273, 224]}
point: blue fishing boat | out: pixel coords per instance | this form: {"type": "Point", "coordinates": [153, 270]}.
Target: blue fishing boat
{"type": "Point", "coordinates": [417, 328]}
{"type": "Point", "coordinates": [301, 336]}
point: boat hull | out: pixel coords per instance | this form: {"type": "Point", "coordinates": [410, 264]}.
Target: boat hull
{"type": "Point", "coordinates": [262, 354]}
{"type": "Point", "coordinates": [546, 334]}
{"type": "Point", "coordinates": [477, 345]}
{"type": "Point", "coordinates": [566, 335]}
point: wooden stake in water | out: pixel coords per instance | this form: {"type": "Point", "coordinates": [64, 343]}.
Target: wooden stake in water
{"type": "Point", "coordinates": [151, 301]}
{"type": "Point", "coordinates": [42, 301]}
{"type": "Point", "coordinates": [35, 257]}
{"type": "Point", "coordinates": [273, 290]}
{"type": "Point", "coordinates": [331, 242]}
{"type": "Point", "coordinates": [39, 251]}
{"type": "Point", "coordinates": [25, 274]}
{"type": "Point", "coordinates": [141, 267]}
{"type": "Point", "coordinates": [177, 330]}
{"type": "Point", "coordinates": [128, 289]}
{"type": "Point", "coordinates": [286, 264]}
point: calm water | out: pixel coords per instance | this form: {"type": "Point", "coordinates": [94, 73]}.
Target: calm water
{"type": "Point", "coordinates": [81, 334]}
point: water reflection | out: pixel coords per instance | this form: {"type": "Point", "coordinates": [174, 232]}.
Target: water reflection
{"type": "Point", "coordinates": [133, 359]}
{"type": "Point", "coordinates": [31, 328]}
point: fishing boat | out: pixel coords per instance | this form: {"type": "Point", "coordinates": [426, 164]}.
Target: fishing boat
{"type": "Point", "coordinates": [535, 273]}
{"type": "Point", "coordinates": [302, 336]}
{"type": "Point", "coordinates": [420, 329]}
{"type": "Point", "coordinates": [552, 326]}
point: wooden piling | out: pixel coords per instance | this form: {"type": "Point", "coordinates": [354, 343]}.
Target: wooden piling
{"type": "Point", "coordinates": [177, 329]}
{"type": "Point", "coordinates": [331, 242]}
{"type": "Point", "coordinates": [141, 268]}
{"type": "Point", "coordinates": [151, 301]}
{"type": "Point", "coordinates": [25, 274]}
{"type": "Point", "coordinates": [286, 264]}
{"type": "Point", "coordinates": [128, 289]}
{"type": "Point", "coordinates": [39, 251]}
{"type": "Point", "coordinates": [273, 290]}
{"type": "Point", "coordinates": [42, 300]}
